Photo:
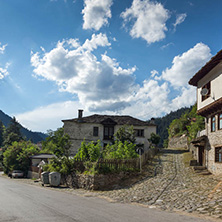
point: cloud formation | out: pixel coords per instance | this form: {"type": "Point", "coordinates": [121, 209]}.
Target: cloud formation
{"type": "Point", "coordinates": [148, 18]}
{"type": "Point", "coordinates": [2, 48]}
{"type": "Point", "coordinates": [179, 19]}
{"type": "Point", "coordinates": [103, 86]}
{"type": "Point", "coordinates": [186, 65]}
{"type": "Point", "coordinates": [77, 70]}
{"type": "Point", "coordinates": [96, 13]}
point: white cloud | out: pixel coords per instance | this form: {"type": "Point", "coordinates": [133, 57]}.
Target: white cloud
{"type": "Point", "coordinates": [49, 117]}
{"type": "Point", "coordinates": [2, 48]}
{"type": "Point", "coordinates": [149, 20]}
{"type": "Point", "coordinates": [4, 71]}
{"type": "Point", "coordinates": [96, 13]}
{"type": "Point", "coordinates": [78, 71]}
{"type": "Point", "coordinates": [186, 65]}
{"type": "Point", "coordinates": [179, 19]}
{"type": "Point", "coordinates": [187, 97]}
{"type": "Point", "coordinates": [103, 86]}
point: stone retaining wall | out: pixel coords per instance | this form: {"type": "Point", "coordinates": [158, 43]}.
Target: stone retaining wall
{"type": "Point", "coordinates": [94, 182]}
{"type": "Point", "coordinates": [178, 142]}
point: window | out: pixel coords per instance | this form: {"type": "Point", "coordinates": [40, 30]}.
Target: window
{"type": "Point", "coordinates": [218, 154]}
{"type": "Point", "coordinates": [139, 132]}
{"type": "Point", "coordinates": [220, 121]}
{"type": "Point", "coordinates": [213, 122]}
{"type": "Point", "coordinates": [207, 86]}
{"type": "Point", "coordinates": [95, 131]}
{"type": "Point", "coordinates": [108, 132]}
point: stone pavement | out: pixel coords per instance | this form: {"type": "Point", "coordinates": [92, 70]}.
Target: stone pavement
{"type": "Point", "coordinates": [172, 186]}
{"type": "Point", "coordinates": [175, 188]}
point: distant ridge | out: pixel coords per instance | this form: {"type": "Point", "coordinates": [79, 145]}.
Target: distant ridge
{"type": "Point", "coordinates": [35, 137]}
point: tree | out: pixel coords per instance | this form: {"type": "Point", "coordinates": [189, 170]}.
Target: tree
{"type": "Point", "coordinates": [1, 133]}
{"type": "Point", "coordinates": [154, 139]}
{"type": "Point", "coordinates": [12, 133]}
{"type": "Point", "coordinates": [57, 143]}
{"type": "Point", "coordinates": [16, 156]}
{"type": "Point", "coordinates": [125, 133]}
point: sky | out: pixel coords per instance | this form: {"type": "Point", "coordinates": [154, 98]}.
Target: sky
{"type": "Point", "coordinates": [131, 57]}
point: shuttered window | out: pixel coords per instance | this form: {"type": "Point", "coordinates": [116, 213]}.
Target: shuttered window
{"type": "Point", "coordinates": [220, 121]}
{"type": "Point", "coordinates": [213, 124]}
{"type": "Point", "coordinates": [218, 154]}
{"type": "Point", "coordinates": [95, 131]}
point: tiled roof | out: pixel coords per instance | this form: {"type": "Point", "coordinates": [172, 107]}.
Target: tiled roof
{"type": "Point", "coordinates": [119, 120]}
{"type": "Point", "coordinates": [205, 69]}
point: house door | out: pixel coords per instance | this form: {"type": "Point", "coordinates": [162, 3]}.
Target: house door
{"type": "Point", "coordinates": [201, 155]}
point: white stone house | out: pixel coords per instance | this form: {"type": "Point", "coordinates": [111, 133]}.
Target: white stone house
{"type": "Point", "coordinates": [208, 81]}
{"type": "Point", "coordinates": [103, 127]}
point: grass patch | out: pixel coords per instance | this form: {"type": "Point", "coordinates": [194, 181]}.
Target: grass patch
{"type": "Point", "coordinates": [187, 157]}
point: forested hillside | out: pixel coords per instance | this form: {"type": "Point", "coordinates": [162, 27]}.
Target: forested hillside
{"type": "Point", "coordinates": [164, 122]}
{"type": "Point", "coordinates": [35, 137]}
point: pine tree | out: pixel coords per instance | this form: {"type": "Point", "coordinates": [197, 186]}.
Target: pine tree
{"type": "Point", "coordinates": [1, 133]}
{"type": "Point", "coordinates": [12, 133]}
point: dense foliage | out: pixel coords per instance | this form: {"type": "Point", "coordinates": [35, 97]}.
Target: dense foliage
{"type": "Point", "coordinates": [189, 124]}
{"type": "Point", "coordinates": [125, 133]}
{"type": "Point", "coordinates": [164, 122]}
{"type": "Point", "coordinates": [1, 133]}
{"type": "Point", "coordinates": [57, 143]}
{"type": "Point", "coordinates": [154, 140]}
{"type": "Point", "coordinates": [16, 156]}
{"type": "Point", "coordinates": [120, 150]}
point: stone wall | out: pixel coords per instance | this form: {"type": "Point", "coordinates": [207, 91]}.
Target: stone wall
{"type": "Point", "coordinates": [95, 182]}
{"type": "Point", "coordinates": [214, 140]}
{"type": "Point", "coordinates": [178, 142]}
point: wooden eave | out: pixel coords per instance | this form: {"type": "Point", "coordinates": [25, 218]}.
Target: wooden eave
{"type": "Point", "coordinates": [206, 69]}
{"type": "Point", "coordinates": [199, 141]}
{"type": "Point", "coordinates": [211, 109]}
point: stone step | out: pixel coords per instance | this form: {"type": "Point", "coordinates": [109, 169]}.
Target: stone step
{"type": "Point", "coordinates": [199, 168]}
{"type": "Point", "coordinates": [203, 172]}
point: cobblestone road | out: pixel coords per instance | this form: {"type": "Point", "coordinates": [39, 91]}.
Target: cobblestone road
{"type": "Point", "coordinates": [175, 187]}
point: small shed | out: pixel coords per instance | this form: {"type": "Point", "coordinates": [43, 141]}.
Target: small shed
{"type": "Point", "coordinates": [37, 161]}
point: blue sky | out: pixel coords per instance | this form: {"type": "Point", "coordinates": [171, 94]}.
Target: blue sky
{"type": "Point", "coordinates": [131, 57]}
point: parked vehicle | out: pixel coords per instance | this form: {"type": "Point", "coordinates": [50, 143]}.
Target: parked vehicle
{"type": "Point", "coordinates": [17, 174]}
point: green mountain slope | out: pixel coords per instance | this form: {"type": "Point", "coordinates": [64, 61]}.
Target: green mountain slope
{"type": "Point", "coordinates": [35, 137]}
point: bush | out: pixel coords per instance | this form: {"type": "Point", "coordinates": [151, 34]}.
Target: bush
{"type": "Point", "coordinates": [17, 155]}
{"type": "Point", "coordinates": [120, 151]}
{"type": "Point", "coordinates": [89, 152]}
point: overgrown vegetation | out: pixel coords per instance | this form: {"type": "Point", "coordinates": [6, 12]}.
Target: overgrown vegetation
{"type": "Point", "coordinates": [189, 124]}
{"type": "Point", "coordinates": [154, 140]}
{"type": "Point", "coordinates": [164, 122]}
{"type": "Point", "coordinates": [16, 156]}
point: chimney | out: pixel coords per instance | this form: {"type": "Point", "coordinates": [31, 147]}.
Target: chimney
{"type": "Point", "coordinates": [80, 114]}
